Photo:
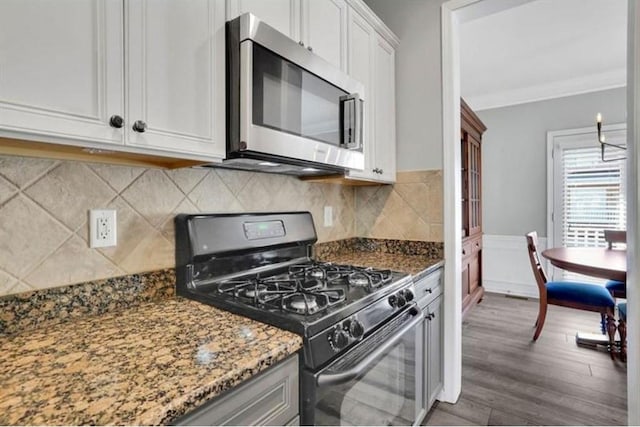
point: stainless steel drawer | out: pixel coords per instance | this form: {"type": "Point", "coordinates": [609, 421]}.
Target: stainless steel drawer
{"type": "Point", "coordinates": [269, 399]}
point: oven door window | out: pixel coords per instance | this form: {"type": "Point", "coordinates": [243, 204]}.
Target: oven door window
{"type": "Point", "coordinates": [383, 394]}
{"type": "Point", "coordinates": [289, 99]}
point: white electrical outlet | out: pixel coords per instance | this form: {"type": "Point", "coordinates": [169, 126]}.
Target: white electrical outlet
{"type": "Point", "coordinates": [102, 228]}
{"type": "Point", "coordinates": [328, 216]}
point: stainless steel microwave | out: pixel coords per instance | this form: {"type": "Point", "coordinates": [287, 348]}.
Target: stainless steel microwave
{"type": "Point", "coordinates": [288, 110]}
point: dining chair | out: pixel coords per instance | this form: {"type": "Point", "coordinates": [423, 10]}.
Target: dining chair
{"type": "Point", "coordinates": [622, 330]}
{"type": "Point", "coordinates": [612, 237]}
{"type": "Point", "coordinates": [581, 296]}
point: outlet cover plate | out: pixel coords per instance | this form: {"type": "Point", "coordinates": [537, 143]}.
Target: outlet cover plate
{"type": "Point", "coordinates": [328, 216]}
{"type": "Point", "coordinates": [102, 228]}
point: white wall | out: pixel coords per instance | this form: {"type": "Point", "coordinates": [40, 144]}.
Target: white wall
{"type": "Point", "coordinates": [514, 156]}
{"type": "Point", "coordinates": [505, 265]}
{"type": "Point", "coordinates": [418, 80]}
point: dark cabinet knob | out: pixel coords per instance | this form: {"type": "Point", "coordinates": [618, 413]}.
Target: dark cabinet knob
{"type": "Point", "coordinates": [139, 126]}
{"type": "Point", "coordinates": [310, 49]}
{"type": "Point", "coordinates": [301, 43]}
{"type": "Point", "coordinates": [116, 121]}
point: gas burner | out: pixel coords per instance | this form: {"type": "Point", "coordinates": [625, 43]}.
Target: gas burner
{"type": "Point", "coordinates": [359, 279]}
{"type": "Point", "coordinates": [302, 303]}
{"type": "Point", "coordinates": [253, 291]}
{"type": "Point", "coordinates": [307, 270]}
{"type": "Point", "coordinates": [317, 273]}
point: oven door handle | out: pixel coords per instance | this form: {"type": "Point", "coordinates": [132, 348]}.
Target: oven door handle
{"type": "Point", "coordinates": [360, 367]}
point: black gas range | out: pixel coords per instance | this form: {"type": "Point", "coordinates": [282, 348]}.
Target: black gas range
{"type": "Point", "coordinates": [261, 266]}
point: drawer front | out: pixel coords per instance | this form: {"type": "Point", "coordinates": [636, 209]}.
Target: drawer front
{"type": "Point", "coordinates": [269, 399]}
{"type": "Point", "coordinates": [429, 288]}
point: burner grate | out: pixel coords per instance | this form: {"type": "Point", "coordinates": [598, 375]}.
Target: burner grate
{"type": "Point", "coordinates": [306, 288]}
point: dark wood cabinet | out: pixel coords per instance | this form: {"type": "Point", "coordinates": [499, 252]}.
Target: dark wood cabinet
{"type": "Point", "coordinates": [471, 130]}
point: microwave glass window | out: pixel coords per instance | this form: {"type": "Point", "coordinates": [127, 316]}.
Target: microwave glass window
{"type": "Point", "coordinates": [290, 99]}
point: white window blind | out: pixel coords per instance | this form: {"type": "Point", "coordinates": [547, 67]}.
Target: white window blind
{"type": "Point", "coordinates": [593, 199]}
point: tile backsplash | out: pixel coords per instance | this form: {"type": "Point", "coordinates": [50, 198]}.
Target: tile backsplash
{"type": "Point", "coordinates": [411, 209]}
{"type": "Point", "coordinates": [44, 208]}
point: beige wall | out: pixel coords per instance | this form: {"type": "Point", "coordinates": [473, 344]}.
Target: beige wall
{"type": "Point", "coordinates": [409, 210]}
{"type": "Point", "coordinates": [44, 208]}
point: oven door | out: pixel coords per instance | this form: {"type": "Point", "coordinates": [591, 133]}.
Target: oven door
{"type": "Point", "coordinates": [379, 382]}
{"type": "Point", "coordinates": [288, 111]}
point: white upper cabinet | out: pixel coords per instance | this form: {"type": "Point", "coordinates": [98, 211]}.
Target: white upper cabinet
{"type": "Point", "coordinates": [175, 75]}
{"type": "Point", "coordinates": [361, 62]}
{"type": "Point", "coordinates": [371, 60]}
{"type": "Point", "coordinates": [324, 28]}
{"type": "Point", "coordinates": [384, 111]}
{"type": "Point", "coordinates": [283, 15]}
{"type": "Point", "coordinates": [61, 69]}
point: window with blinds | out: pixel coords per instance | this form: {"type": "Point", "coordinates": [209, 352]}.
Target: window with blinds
{"type": "Point", "coordinates": [592, 199]}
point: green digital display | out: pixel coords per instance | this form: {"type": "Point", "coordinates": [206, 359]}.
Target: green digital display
{"type": "Point", "coordinates": [264, 230]}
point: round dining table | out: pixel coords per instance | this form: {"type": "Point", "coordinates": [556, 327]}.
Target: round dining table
{"type": "Point", "coordinates": [610, 264]}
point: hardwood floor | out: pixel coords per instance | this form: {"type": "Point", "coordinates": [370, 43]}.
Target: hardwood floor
{"type": "Point", "coordinates": [507, 379]}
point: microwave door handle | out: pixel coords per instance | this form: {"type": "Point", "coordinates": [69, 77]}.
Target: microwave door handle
{"type": "Point", "coordinates": [360, 367]}
{"type": "Point", "coordinates": [358, 121]}
{"type": "Point", "coordinates": [349, 114]}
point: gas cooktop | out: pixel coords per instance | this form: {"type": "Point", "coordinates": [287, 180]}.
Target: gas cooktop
{"type": "Point", "coordinates": [261, 266]}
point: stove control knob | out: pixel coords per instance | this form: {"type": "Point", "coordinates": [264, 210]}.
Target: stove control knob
{"type": "Point", "coordinates": [408, 295]}
{"type": "Point", "coordinates": [339, 339]}
{"type": "Point", "coordinates": [393, 300]}
{"type": "Point", "coordinates": [356, 330]}
{"type": "Point", "coordinates": [401, 301]}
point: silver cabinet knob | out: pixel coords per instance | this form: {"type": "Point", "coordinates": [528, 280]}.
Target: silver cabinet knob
{"type": "Point", "coordinates": [139, 126]}
{"type": "Point", "coordinates": [310, 49]}
{"type": "Point", "coordinates": [116, 121]}
{"type": "Point", "coordinates": [301, 43]}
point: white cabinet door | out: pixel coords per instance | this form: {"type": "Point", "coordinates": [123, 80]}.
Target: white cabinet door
{"type": "Point", "coordinates": [324, 26]}
{"type": "Point", "coordinates": [283, 15]}
{"type": "Point", "coordinates": [61, 69]}
{"type": "Point", "coordinates": [384, 111]}
{"type": "Point", "coordinates": [176, 75]}
{"type": "Point", "coordinates": [360, 67]}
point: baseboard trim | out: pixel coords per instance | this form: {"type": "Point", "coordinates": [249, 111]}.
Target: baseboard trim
{"type": "Point", "coordinates": [510, 288]}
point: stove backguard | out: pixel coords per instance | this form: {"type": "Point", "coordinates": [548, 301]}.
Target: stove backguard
{"type": "Point", "coordinates": [213, 246]}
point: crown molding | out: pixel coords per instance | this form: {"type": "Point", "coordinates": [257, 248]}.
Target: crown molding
{"type": "Point", "coordinates": [559, 89]}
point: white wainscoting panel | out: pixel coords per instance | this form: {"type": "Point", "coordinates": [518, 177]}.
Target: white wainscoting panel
{"type": "Point", "coordinates": [505, 265]}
